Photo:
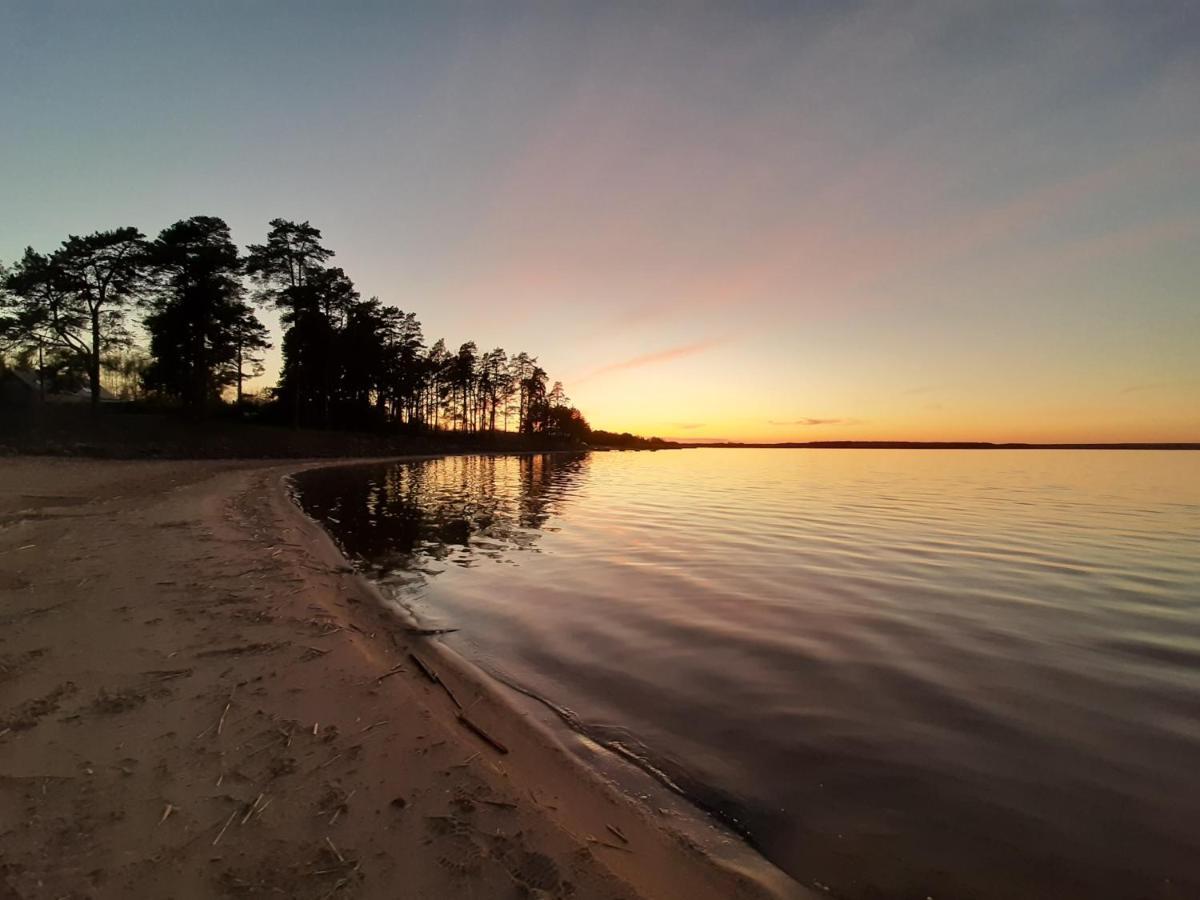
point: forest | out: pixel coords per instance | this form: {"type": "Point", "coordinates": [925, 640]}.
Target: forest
{"type": "Point", "coordinates": [174, 321]}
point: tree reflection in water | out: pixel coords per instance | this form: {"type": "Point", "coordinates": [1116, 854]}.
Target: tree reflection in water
{"type": "Point", "coordinates": [402, 522]}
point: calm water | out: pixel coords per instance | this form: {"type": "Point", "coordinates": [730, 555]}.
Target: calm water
{"type": "Point", "coordinates": [900, 673]}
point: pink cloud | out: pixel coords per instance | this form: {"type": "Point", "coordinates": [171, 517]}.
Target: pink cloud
{"type": "Point", "coordinates": [649, 359]}
{"type": "Point", "coordinates": [809, 421]}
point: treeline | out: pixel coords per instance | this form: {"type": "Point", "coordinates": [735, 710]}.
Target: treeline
{"type": "Point", "coordinates": [347, 362]}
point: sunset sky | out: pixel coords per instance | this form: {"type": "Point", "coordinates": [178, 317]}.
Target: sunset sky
{"type": "Point", "coordinates": [751, 221]}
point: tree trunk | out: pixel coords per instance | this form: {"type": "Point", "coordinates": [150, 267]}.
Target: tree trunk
{"type": "Point", "coordinates": [94, 360]}
{"type": "Point", "coordinates": [239, 374]}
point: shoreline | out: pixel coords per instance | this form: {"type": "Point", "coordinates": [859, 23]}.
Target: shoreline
{"type": "Point", "coordinates": [145, 601]}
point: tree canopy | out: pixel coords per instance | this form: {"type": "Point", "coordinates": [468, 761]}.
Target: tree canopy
{"type": "Point", "coordinates": [347, 362]}
{"type": "Point", "coordinates": [197, 319]}
{"type": "Point", "coordinates": [74, 302]}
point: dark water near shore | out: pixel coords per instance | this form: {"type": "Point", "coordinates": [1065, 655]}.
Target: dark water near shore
{"type": "Point", "coordinates": [902, 673]}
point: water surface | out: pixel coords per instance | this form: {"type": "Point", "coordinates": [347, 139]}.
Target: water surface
{"type": "Point", "coordinates": [899, 673]}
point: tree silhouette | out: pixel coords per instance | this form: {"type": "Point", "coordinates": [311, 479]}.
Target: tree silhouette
{"type": "Point", "coordinates": [284, 268]}
{"type": "Point", "coordinates": [198, 322]}
{"type": "Point", "coordinates": [44, 314]}
{"type": "Point", "coordinates": [77, 298]}
{"type": "Point", "coordinates": [286, 262]}
{"type": "Point", "coordinates": [346, 362]}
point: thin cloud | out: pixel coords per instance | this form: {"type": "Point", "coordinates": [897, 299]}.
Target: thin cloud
{"type": "Point", "coordinates": [649, 359]}
{"type": "Point", "coordinates": [688, 426]}
{"type": "Point", "coordinates": [815, 422]}
{"type": "Point", "coordinates": [1138, 388]}
{"type": "Point", "coordinates": [1158, 385]}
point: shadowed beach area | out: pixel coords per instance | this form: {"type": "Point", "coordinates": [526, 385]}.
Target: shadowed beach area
{"type": "Point", "coordinates": [198, 698]}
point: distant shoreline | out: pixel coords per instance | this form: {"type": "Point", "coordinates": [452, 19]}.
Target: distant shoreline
{"type": "Point", "coordinates": [932, 445]}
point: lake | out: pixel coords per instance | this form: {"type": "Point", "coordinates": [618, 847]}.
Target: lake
{"type": "Point", "coordinates": [898, 673]}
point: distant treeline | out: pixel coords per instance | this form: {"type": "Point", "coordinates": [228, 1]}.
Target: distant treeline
{"type": "Point", "coordinates": [934, 445]}
{"type": "Point", "coordinates": [348, 362]}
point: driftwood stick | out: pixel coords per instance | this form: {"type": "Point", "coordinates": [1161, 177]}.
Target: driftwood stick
{"type": "Point", "coordinates": [617, 831]}
{"type": "Point", "coordinates": [470, 759]}
{"type": "Point", "coordinates": [341, 858]}
{"type": "Point", "coordinates": [394, 670]}
{"type": "Point", "coordinates": [496, 744]}
{"type": "Point", "coordinates": [593, 840]}
{"type": "Point", "coordinates": [425, 670]}
{"type": "Point", "coordinates": [450, 693]}
{"type": "Point", "coordinates": [228, 822]}
{"type": "Point", "coordinates": [253, 807]}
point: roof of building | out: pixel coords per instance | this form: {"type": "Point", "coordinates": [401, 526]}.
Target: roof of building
{"type": "Point", "coordinates": [31, 380]}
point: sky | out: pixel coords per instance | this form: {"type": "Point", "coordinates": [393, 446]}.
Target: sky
{"type": "Point", "coordinates": [743, 221]}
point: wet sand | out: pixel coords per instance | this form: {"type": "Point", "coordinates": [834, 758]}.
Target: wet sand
{"type": "Point", "coordinates": [198, 698]}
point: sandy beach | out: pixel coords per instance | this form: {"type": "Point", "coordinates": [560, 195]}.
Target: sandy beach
{"type": "Point", "coordinates": [198, 698]}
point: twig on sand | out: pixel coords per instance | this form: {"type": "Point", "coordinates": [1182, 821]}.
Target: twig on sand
{"type": "Point", "coordinates": [335, 756]}
{"type": "Point", "coordinates": [166, 812]}
{"type": "Point", "coordinates": [617, 831]}
{"type": "Point", "coordinates": [342, 807]}
{"type": "Point", "coordinates": [314, 652]}
{"type": "Point", "coordinates": [450, 693]}
{"type": "Point", "coordinates": [538, 802]}
{"type": "Point", "coordinates": [228, 822]}
{"type": "Point", "coordinates": [394, 670]}
{"type": "Point", "coordinates": [336, 853]}
{"type": "Point", "coordinates": [592, 840]}
{"type": "Point", "coordinates": [373, 726]}
{"type": "Point", "coordinates": [466, 762]}
{"type": "Point", "coordinates": [425, 670]}
{"type": "Point", "coordinates": [252, 809]}
{"type": "Point", "coordinates": [435, 678]}
{"type": "Point", "coordinates": [224, 712]}
{"type": "Point", "coordinates": [496, 744]}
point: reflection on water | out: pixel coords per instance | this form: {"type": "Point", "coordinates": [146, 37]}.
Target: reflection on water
{"type": "Point", "coordinates": [903, 673]}
{"type": "Point", "coordinates": [403, 523]}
